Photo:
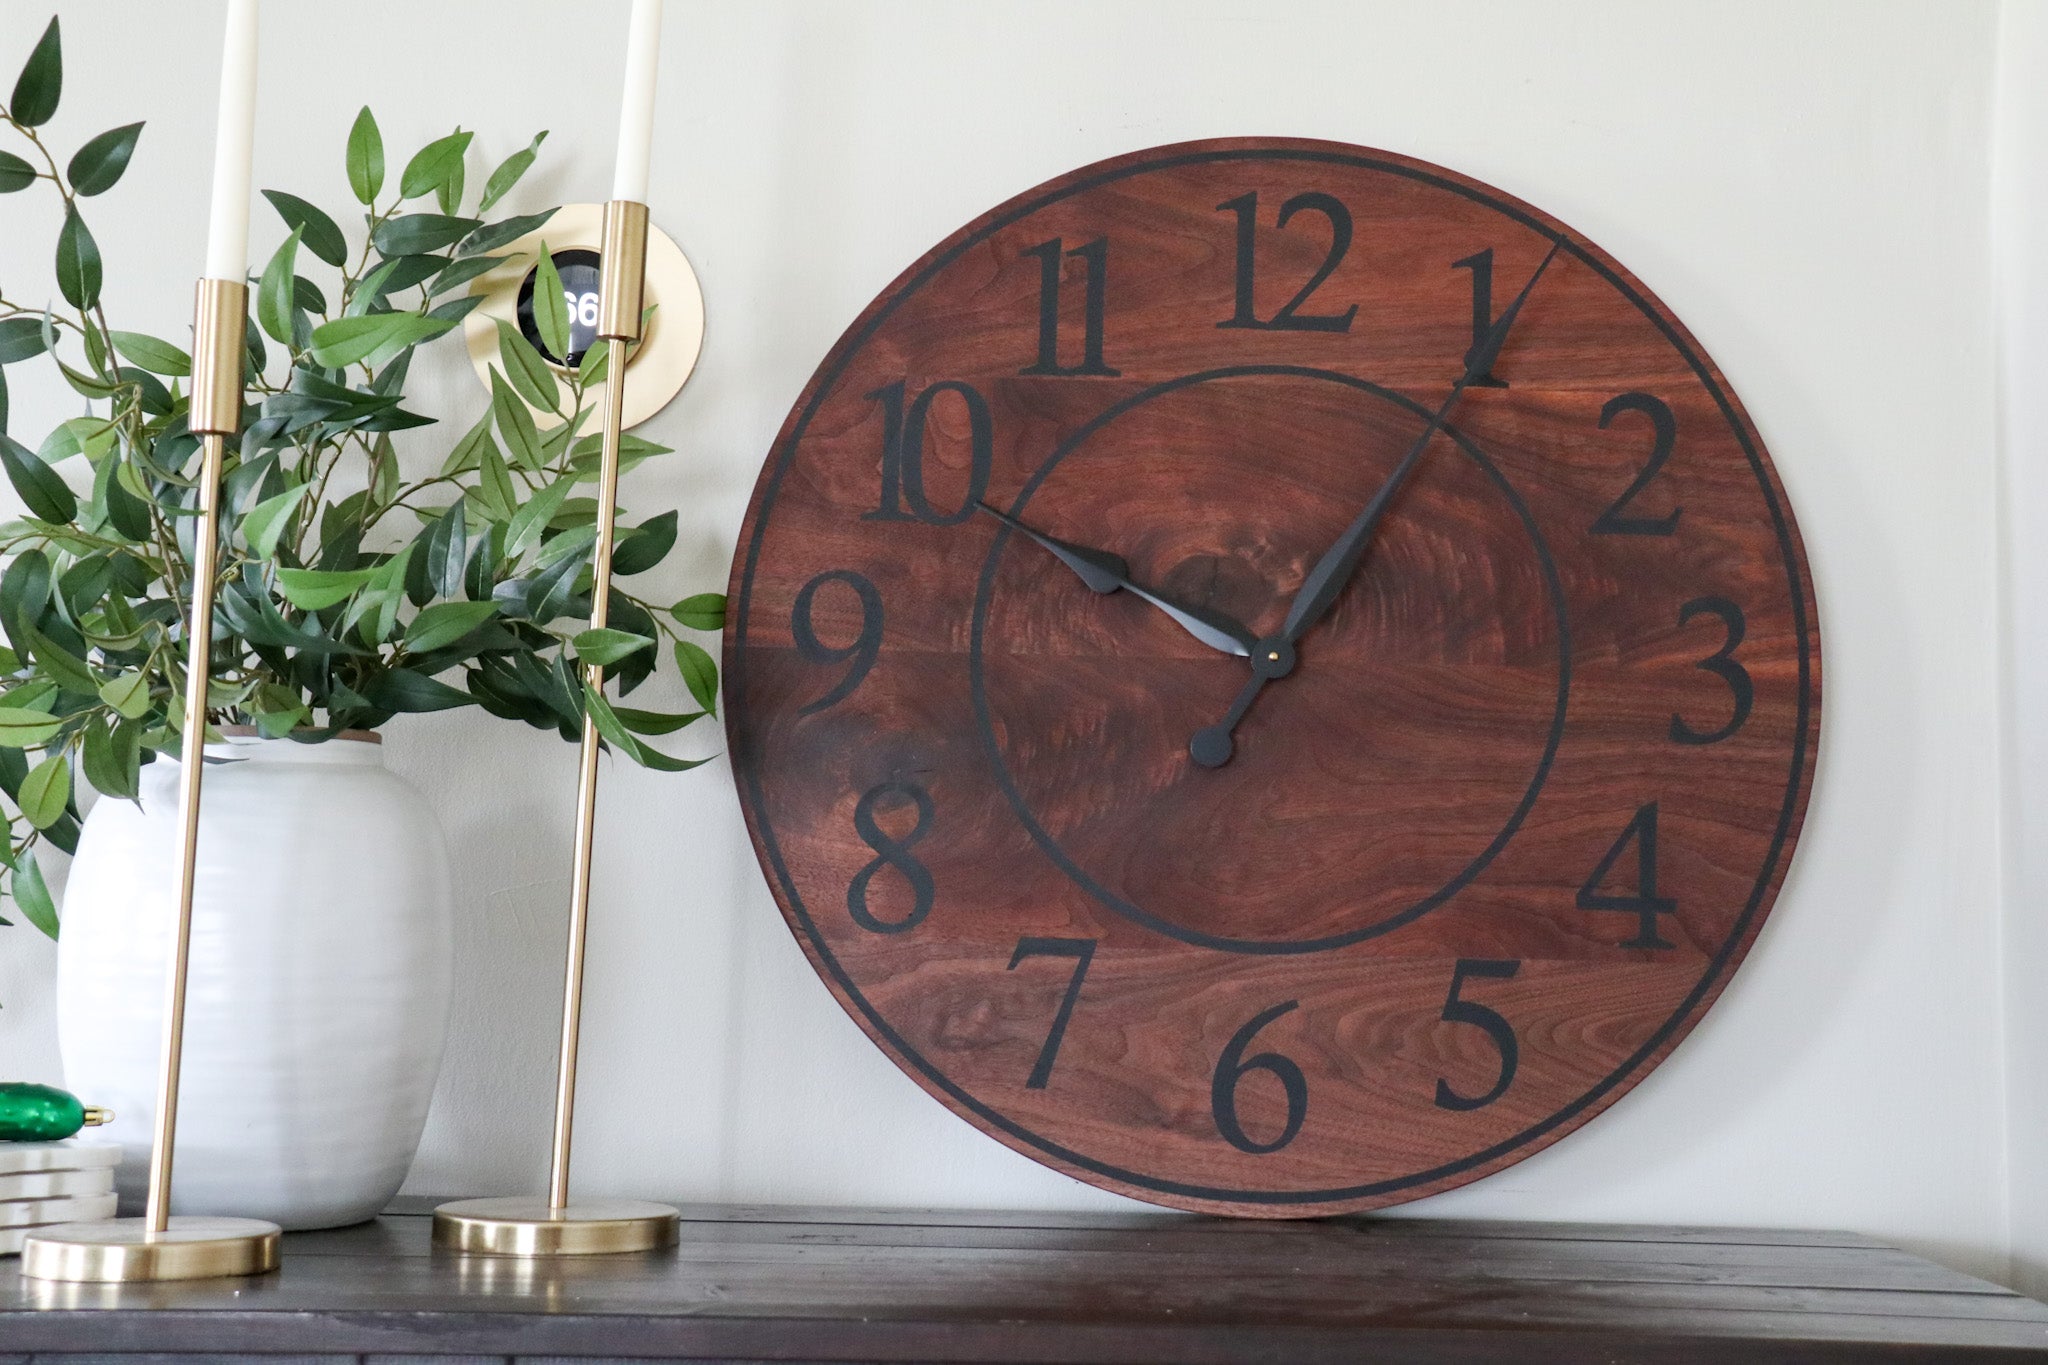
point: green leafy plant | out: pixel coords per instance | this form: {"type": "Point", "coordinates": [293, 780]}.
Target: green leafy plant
{"type": "Point", "coordinates": [350, 589]}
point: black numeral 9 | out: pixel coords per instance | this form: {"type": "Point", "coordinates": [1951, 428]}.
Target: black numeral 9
{"type": "Point", "coordinates": [862, 651]}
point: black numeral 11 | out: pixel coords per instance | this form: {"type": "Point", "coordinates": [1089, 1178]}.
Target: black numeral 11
{"type": "Point", "coordinates": [1050, 254]}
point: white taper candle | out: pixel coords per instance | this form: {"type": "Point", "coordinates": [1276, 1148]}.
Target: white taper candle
{"type": "Point", "coordinates": [636, 105]}
{"type": "Point", "coordinates": [227, 236]}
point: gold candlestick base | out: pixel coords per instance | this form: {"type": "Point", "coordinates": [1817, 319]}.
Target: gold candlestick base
{"type": "Point", "coordinates": [528, 1227]}
{"type": "Point", "coordinates": [126, 1251]}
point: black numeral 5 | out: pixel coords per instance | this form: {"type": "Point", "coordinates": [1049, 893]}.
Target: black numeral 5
{"type": "Point", "coordinates": [1491, 1021]}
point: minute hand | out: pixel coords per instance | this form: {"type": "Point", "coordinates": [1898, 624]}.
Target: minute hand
{"type": "Point", "coordinates": [1326, 581]}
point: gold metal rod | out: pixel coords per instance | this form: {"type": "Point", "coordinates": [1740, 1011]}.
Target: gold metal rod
{"type": "Point", "coordinates": [586, 780]}
{"type": "Point", "coordinates": [218, 323]}
{"type": "Point", "coordinates": [619, 299]}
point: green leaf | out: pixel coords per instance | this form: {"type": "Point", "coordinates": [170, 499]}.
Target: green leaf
{"type": "Point", "coordinates": [373, 339]}
{"type": "Point", "coordinates": [609, 725]}
{"type": "Point", "coordinates": [526, 369]}
{"type": "Point", "coordinates": [446, 622]}
{"type": "Point", "coordinates": [494, 487]}
{"type": "Point", "coordinates": [24, 729]}
{"type": "Point", "coordinates": [434, 165]}
{"type": "Point", "coordinates": [646, 545]}
{"type": "Point", "coordinates": [112, 758]}
{"type": "Point", "coordinates": [700, 674]}
{"type": "Point", "coordinates": [497, 234]}
{"type": "Point", "coordinates": [550, 309]}
{"type": "Point", "coordinates": [32, 894]}
{"type": "Point", "coordinates": [515, 424]}
{"type": "Point", "coordinates": [319, 232]}
{"type": "Point", "coordinates": [59, 664]}
{"type": "Point", "coordinates": [365, 157]}
{"type": "Point", "coordinates": [655, 722]}
{"type": "Point", "coordinates": [97, 165]}
{"type": "Point", "coordinates": [508, 172]}
{"type": "Point", "coordinates": [318, 589]}
{"type": "Point", "coordinates": [447, 541]}
{"type": "Point", "coordinates": [401, 689]}
{"type": "Point", "coordinates": [276, 293]}
{"type": "Point", "coordinates": [45, 791]}
{"type": "Point", "coordinates": [20, 339]}
{"type": "Point", "coordinates": [127, 694]}
{"type": "Point", "coordinates": [605, 647]}
{"type": "Point", "coordinates": [41, 82]}
{"type": "Point", "coordinates": [78, 262]}
{"type": "Point", "coordinates": [152, 354]}
{"type": "Point", "coordinates": [463, 271]}
{"type": "Point", "coordinates": [15, 174]}
{"type": "Point", "coordinates": [705, 611]}
{"type": "Point", "coordinates": [420, 233]}
{"type": "Point", "coordinates": [530, 522]}
{"type": "Point", "coordinates": [266, 521]}
{"type": "Point", "coordinates": [42, 490]}
{"type": "Point", "coordinates": [469, 451]}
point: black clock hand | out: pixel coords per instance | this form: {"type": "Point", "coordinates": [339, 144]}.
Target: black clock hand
{"type": "Point", "coordinates": [1104, 572]}
{"type": "Point", "coordinates": [1326, 581]}
{"type": "Point", "coordinates": [1274, 658]}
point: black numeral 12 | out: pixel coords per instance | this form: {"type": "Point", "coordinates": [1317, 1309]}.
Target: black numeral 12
{"type": "Point", "coordinates": [1290, 318]}
{"type": "Point", "coordinates": [1050, 254]}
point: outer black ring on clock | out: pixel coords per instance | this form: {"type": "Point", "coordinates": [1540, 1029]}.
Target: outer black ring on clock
{"type": "Point", "coordinates": [749, 779]}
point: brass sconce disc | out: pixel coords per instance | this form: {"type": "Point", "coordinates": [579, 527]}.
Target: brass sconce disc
{"type": "Point", "coordinates": [528, 1227]}
{"type": "Point", "coordinates": [125, 1251]}
{"type": "Point", "coordinates": [674, 336]}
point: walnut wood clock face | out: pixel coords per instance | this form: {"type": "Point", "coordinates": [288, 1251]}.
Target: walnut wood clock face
{"type": "Point", "coordinates": [1272, 677]}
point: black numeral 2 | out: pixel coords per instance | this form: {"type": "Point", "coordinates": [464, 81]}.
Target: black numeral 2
{"type": "Point", "coordinates": [1643, 902]}
{"type": "Point", "coordinates": [893, 853]}
{"type": "Point", "coordinates": [1290, 318]}
{"type": "Point", "coordinates": [903, 453]}
{"type": "Point", "coordinates": [1616, 521]}
{"type": "Point", "coordinates": [1049, 254]}
{"type": "Point", "coordinates": [1082, 950]}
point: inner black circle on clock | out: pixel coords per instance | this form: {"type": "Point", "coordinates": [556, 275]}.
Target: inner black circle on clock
{"type": "Point", "coordinates": [581, 271]}
{"type": "Point", "coordinates": [1446, 666]}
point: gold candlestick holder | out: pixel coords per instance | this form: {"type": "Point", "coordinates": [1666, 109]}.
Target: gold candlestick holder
{"type": "Point", "coordinates": [157, 1246]}
{"type": "Point", "coordinates": [554, 1226]}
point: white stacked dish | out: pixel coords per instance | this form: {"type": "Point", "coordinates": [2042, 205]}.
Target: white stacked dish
{"type": "Point", "coordinates": [42, 1183]}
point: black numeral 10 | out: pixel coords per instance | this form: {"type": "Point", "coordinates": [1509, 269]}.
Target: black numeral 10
{"type": "Point", "coordinates": [903, 449]}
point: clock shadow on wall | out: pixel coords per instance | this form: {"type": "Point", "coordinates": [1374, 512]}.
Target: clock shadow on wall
{"type": "Point", "coordinates": [1272, 677]}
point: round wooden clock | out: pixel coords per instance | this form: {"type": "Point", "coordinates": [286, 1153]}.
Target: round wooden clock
{"type": "Point", "coordinates": [1272, 677]}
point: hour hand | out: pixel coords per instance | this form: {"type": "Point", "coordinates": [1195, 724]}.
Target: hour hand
{"type": "Point", "coordinates": [1106, 573]}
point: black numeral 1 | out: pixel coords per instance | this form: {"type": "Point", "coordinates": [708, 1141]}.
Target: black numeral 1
{"type": "Point", "coordinates": [1050, 254]}
{"type": "Point", "coordinates": [903, 453]}
{"type": "Point", "coordinates": [1643, 902]}
{"type": "Point", "coordinates": [1082, 950]}
{"type": "Point", "coordinates": [1481, 266]}
{"type": "Point", "coordinates": [1289, 318]}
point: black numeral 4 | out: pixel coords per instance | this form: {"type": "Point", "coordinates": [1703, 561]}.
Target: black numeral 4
{"type": "Point", "coordinates": [1643, 902]}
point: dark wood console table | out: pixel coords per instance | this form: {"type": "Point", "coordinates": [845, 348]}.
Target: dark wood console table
{"type": "Point", "coordinates": [815, 1285]}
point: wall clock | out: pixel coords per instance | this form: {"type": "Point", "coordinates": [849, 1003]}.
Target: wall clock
{"type": "Point", "coordinates": [1272, 677]}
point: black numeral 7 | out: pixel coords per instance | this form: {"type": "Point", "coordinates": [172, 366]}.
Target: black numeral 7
{"type": "Point", "coordinates": [1082, 950]}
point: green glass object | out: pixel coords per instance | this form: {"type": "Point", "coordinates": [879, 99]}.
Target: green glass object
{"type": "Point", "coordinates": [43, 1113]}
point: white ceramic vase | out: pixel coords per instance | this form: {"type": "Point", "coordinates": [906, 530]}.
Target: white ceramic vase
{"type": "Point", "coordinates": [317, 1001]}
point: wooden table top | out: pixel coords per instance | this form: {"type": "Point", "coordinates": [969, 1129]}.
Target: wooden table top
{"type": "Point", "coordinates": [793, 1284]}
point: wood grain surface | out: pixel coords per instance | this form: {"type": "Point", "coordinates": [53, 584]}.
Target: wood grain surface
{"type": "Point", "coordinates": [1477, 864]}
{"type": "Point", "coordinates": [796, 1284]}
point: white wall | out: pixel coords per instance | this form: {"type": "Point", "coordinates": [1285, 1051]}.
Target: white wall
{"type": "Point", "coordinates": [1807, 185]}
